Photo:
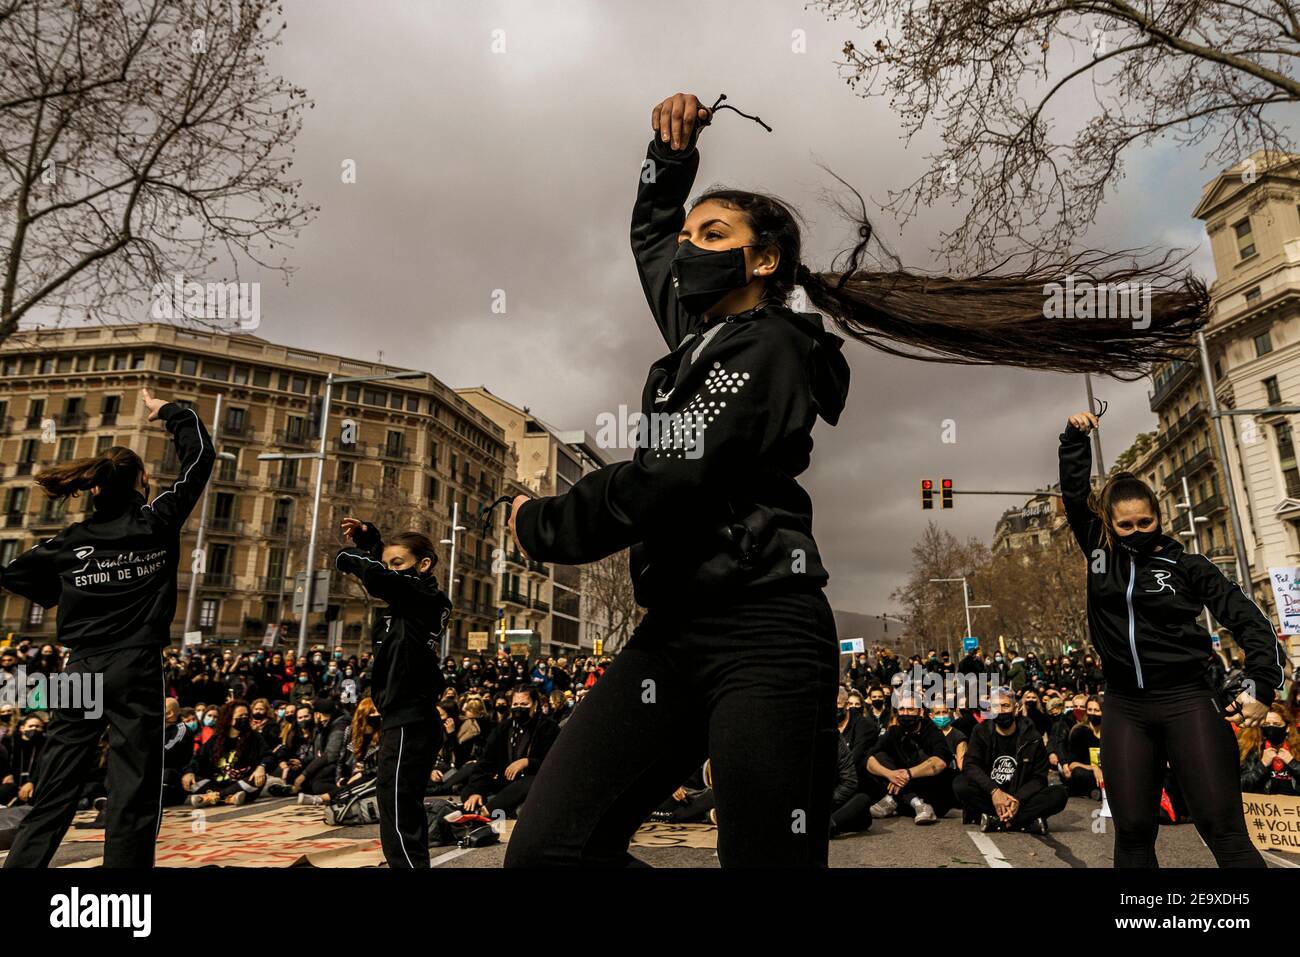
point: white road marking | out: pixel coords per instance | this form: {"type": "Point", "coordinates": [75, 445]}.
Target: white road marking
{"type": "Point", "coordinates": [449, 856]}
{"type": "Point", "coordinates": [988, 849]}
{"type": "Point", "coordinates": [1279, 860]}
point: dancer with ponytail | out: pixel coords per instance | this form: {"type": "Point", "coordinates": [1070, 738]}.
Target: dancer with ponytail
{"type": "Point", "coordinates": [1145, 598]}
{"type": "Point", "coordinates": [113, 577]}
{"type": "Point", "coordinates": [736, 659]}
{"type": "Point", "coordinates": [406, 680]}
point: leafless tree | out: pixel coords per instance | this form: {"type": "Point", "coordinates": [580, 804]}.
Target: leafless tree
{"type": "Point", "coordinates": [612, 609]}
{"type": "Point", "coordinates": [140, 140]}
{"type": "Point", "coordinates": [1036, 101]}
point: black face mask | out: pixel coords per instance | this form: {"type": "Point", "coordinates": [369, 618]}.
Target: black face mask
{"type": "Point", "coordinates": [841, 713]}
{"type": "Point", "coordinates": [703, 276]}
{"type": "Point", "coordinates": [1142, 541]}
{"type": "Point", "coordinates": [1004, 719]}
{"type": "Point", "coordinates": [1274, 735]}
{"type": "Point", "coordinates": [1094, 720]}
{"type": "Point", "coordinates": [909, 722]}
{"type": "Point", "coordinates": [520, 715]}
{"type": "Point", "coordinates": [241, 724]}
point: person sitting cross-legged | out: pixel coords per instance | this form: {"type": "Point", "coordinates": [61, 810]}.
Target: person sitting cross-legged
{"type": "Point", "coordinates": [1004, 777]}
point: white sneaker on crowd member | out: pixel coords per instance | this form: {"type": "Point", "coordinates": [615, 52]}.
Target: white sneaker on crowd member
{"type": "Point", "coordinates": [310, 799]}
{"type": "Point", "coordinates": [885, 807]}
{"type": "Point", "coordinates": [924, 813]}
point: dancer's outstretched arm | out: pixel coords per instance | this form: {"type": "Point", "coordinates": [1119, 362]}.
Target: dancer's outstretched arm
{"type": "Point", "coordinates": [1076, 472]}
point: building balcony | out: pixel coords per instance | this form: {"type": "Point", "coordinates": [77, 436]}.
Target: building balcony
{"type": "Point", "coordinates": [107, 419]}
{"type": "Point", "coordinates": [395, 453]}
{"type": "Point", "coordinates": [516, 558]}
{"type": "Point", "coordinates": [1176, 375]}
{"type": "Point", "coordinates": [49, 520]}
{"type": "Point", "coordinates": [542, 606]}
{"type": "Point", "coordinates": [236, 430]}
{"type": "Point", "coordinates": [232, 477]}
{"type": "Point", "coordinates": [514, 598]}
{"type": "Point", "coordinates": [24, 468]}
{"type": "Point", "coordinates": [284, 437]}
{"type": "Point", "coordinates": [354, 448]}
{"type": "Point", "coordinates": [225, 525]}
{"type": "Point", "coordinates": [6, 425]}
{"type": "Point", "coordinates": [14, 519]}
{"type": "Point", "coordinates": [217, 580]}
{"type": "Point", "coordinates": [289, 483]}
{"type": "Point", "coordinates": [1189, 468]}
{"type": "Point", "coordinates": [71, 421]}
{"type": "Point", "coordinates": [540, 567]}
{"type": "Point", "coordinates": [271, 584]}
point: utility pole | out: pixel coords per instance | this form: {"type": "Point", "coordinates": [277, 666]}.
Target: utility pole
{"type": "Point", "coordinates": [1238, 537]}
{"type": "Point", "coordinates": [203, 525]}
{"type": "Point", "coordinates": [451, 568]}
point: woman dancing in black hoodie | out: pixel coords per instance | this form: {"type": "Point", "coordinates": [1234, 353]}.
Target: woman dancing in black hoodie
{"type": "Point", "coordinates": [736, 659]}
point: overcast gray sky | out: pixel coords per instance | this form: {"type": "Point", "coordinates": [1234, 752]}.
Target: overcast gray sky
{"type": "Point", "coordinates": [479, 171]}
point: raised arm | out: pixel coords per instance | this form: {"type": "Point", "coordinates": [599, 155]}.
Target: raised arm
{"type": "Point", "coordinates": [664, 185]}
{"type": "Point", "coordinates": [1076, 472]}
{"type": "Point", "coordinates": [196, 453]}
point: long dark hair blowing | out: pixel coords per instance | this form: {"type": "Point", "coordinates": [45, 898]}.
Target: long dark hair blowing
{"type": "Point", "coordinates": [115, 471]}
{"type": "Point", "coordinates": [996, 317]}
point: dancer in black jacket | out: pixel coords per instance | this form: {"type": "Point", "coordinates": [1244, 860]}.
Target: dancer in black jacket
{"type": "Point", "coordinates": [406, 678]}
{"type": "Point", "coordinates": [1145, 598]}
{"type": "Point", "coordinates": [736, 659]}
{"type": "Point", "coordinates": [113, 577]}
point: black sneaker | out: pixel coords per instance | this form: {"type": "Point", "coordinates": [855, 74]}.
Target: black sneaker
{"type": "Point", "coordinates": [988, 823]}
{"type": "Point", "coordinates": [1037, 826]}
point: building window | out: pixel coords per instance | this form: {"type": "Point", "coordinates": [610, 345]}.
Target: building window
{"type": "Point", "coordinates": [1252, 295]}
{"type": "Point", "coordinates": [1263, 344]}
{"type": "Point", "coordinates": [1287, 460]}
{"type": "Point", "coordinates": [8, 551]}
{"type": "Point", "coordinates": [101, 362]}
{"type": "Point", "coordinates": [167, 362]}
{"type": "Point", "coordinates": [208, 613]}
{"type": "Point", "coordinates": [103, 444]}
{"type": "Point", "coordinates": [1274, 394]}
{"type": "Point", "coordinates": [262, 377]}
{"type": "Point", "coordinates": [35, 614]}
{"type": "Point", "coordinates": [189, 365]}
{"type": "Point", "coordinates": [216, 370]}
{"type": "Point", "coordinates": [67, 450]}
{"type": "Point", "coordinates": [241, 375]}
{"type": "Point", "coordinates": [1245, 239]}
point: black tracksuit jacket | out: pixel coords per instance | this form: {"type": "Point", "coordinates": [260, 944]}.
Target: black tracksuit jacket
{"type": "Point", "coordinates": [406, 675]}
{"type": "Point", "coordinates": [1143, 607]}
{"type": "Point", "coordinates": [728, 514]}
{"type": "Point", "coordinates": [113, 575]}
{"type": "Point", "coordinates": [506, 744]}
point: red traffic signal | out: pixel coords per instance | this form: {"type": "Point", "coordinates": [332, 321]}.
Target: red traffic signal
{"type": "Point", "coordinates": [947, 493]}
{"type": "Point", "coordinates": [927, 493]}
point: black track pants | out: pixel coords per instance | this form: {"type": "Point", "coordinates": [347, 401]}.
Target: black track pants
{"type": "Point", "coordinates": [1186, 728]}
{"type": "Point", "coordinates": [132, 708]}
{"type": "Point", "coordinates": [406, 756]}
{"type": "Point", "coordinates": [751, 686]}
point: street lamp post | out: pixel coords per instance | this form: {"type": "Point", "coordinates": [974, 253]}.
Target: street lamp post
{"type": "Point", "coordinates": [1192, 519]}
{"type": "Point", "coordinates": [309, 566]}
{"type": "Point", "coordinates": [203, 525]}
{"type": "Point", "coordinates": [284, 569]}
{"type": "Point", "coordinates": [451, 567]}
{"type": "Point", "coordinates": [965, 600]}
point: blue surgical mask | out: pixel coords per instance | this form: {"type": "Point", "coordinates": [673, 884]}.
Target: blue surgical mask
{"type": "Point", "coordinates": [942, 721]}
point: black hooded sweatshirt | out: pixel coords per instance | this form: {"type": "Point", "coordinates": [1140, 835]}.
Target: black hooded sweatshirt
{"type": "Point", "coordinates": [1144, 605]}
{"type": "Point", "coordinates": [726, 514]}
{"type": "Point", "coordinates": [113, 576]}
{"type": "Point", "coordinates": [406, 678]}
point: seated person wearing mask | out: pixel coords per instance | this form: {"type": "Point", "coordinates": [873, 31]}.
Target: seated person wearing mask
{"type": "Point", "coordinates": [912, 760]}
{"type": "Point", "coordinates": [1004, 779]}
{"type": "Point", "coordinates": [511, 757]}
{"type": "Point", "coordinates": [1078, 770]}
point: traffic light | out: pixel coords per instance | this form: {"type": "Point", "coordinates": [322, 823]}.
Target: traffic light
{"type": "Point", "coordinates": [947, 493]}
{"type": "Point", "coordinates": [927, 493]}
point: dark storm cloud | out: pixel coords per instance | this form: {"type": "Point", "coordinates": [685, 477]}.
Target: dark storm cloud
{"type": "Point", "coordinates": [480, 171]}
